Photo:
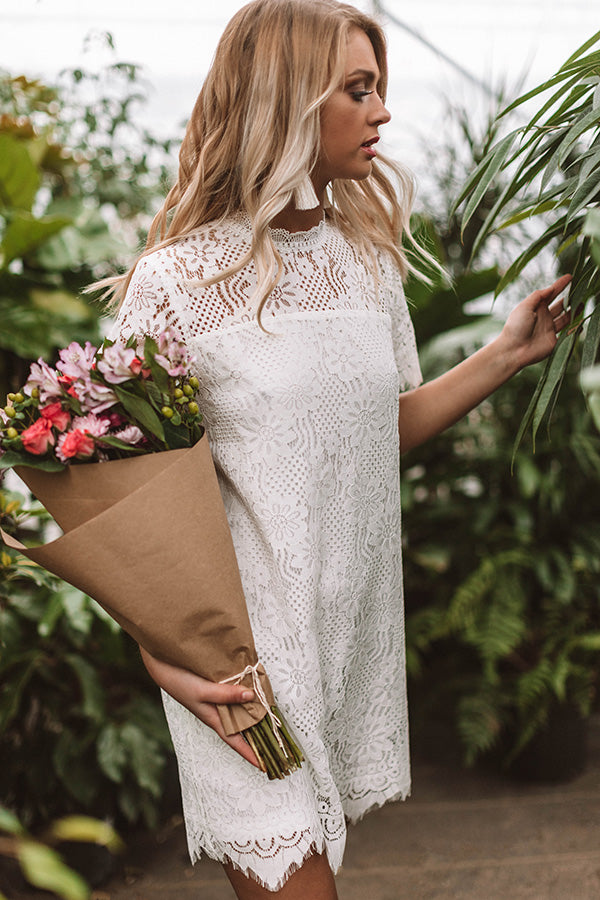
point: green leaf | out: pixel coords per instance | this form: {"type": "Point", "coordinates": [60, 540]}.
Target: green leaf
{"type": "Point", "coordinates": [9, 822]}
{"type": "Point", "coordinates": [91, 688]}
{"type": "Point", "coordinates": [52, 614]}
{"type": "Point", "coordinates": [44, 869]}
{"type": "Point", "coordinates": [592, 339]}
{"type": "Point", "coordinates": [141, 411]}
{"type": "Point", "coordinates": [145, 758]}
{"type": "Point", "coordinates": [111, 752]}
{"type": "Point", "coordinates": [19, 178]}
{"type": "Point", "coordinates": [488, 173]}
{"type": "Point", "coordinates": [558, 364]}
{"type": "Point", "coordinates": [88, 830]}
{"type": "Point", "coordinates": [530, 253]}
{"type": "Point", "coordinates": [24, 233]}
{"type": "Point", "coordinates": [160, 375]}
{"type": "Point", "coordinates": [11, 459]}
{"type": "Point", "coordinates": [76, 606]}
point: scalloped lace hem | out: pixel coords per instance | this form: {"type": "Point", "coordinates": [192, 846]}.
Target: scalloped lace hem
{"type": "Point", "coordinates": [272, 878]}
{"type": "Point", "coordinates": [355, 810]}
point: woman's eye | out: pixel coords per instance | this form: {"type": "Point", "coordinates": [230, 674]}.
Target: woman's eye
{"type": "Point", "coordinates": [359, 95]}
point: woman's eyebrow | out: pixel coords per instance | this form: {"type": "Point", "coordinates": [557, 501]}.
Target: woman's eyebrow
{"type": "Point", "coordinates": [367, 73]}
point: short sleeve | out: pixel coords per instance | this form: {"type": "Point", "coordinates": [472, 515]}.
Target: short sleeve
{"type": "Point", "coordinates": [403, 332]}
{"type": "Point", "coordinates": [149, 306]}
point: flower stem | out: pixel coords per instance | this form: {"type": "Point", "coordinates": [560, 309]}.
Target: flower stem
{"type": "Point", "coordinates": [275, 760]}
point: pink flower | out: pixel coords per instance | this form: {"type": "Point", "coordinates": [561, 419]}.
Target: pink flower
{"type": "Point", "coordinates": [58, 417]}
{"type": "Point", "coordinates": [131, 435]}
{"type": "Point", "coordinates": [74, 445]}
{"type": "Point", "coordinates": [172, 354]}
{"type": "Point", "coordinates": [118, 364]}
{"type": "Point", "coordinates": [95, 397]}
{"type": "Point", "coordinates": [46, 379]}
{"type": "Point", "coordinates": [38, 437]}
{"type": "Point", "coordinates": [76, 360]}
{"type": "Point", "coordinates": [91, 424]}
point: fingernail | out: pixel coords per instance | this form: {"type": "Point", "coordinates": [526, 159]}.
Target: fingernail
{"type": "Point", "coordinates": [247, 695]}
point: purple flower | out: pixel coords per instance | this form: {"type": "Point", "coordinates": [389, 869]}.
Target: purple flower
{"type": "Point", "coordinates": [116, 364]}
{"type": "Point", "coordinates": [172, 354]}
{"type": "Point", "coordinates": [77, 361]}
{"type": "Point", "coordinates": [45, 379]}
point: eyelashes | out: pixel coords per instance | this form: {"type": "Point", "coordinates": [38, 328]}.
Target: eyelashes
{"type": "Point", "coordinates": [360, 95]}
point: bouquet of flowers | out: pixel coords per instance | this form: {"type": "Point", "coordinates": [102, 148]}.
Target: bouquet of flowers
{"type": "Point", "coordinates": [145, 531]}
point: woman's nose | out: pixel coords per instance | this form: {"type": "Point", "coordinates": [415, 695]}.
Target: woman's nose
{"type": "Point", "coordinates": [379, 115]}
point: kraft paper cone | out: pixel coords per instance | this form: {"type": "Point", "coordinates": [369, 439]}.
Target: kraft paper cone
{"type": "Point", "coordinates": [148, 538]}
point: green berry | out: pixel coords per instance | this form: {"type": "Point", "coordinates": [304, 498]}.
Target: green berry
{"type": "Point", "coordinates": [18, 398]}
{"type": "Point", "coordinates": [194, 383]}
{"type": "Point", "coordinates": [11, 397]}
{"type": "Point", "coordinates": [193, 408]}
{"type": "Point", "coordinates": [167, 412]}
{"type": "Point", "coordinates": [35, 392]}
{"type": "Point", "coordinates": [178, 393]}
{"type": "Point", "coordinates": [12, 433]}
{"type": "Point", "coordinates": [188, 390]}
{"type": "Point", "coordinates": [10, 411]}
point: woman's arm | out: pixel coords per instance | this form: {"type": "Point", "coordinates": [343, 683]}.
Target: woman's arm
{"type": "Point", "coordinates": [200, 697]}
{"type": "Point", "coordinates": [529, 335]}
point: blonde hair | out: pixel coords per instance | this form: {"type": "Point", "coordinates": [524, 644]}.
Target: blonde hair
{"type": "Point", "coordinates": [254, 136]}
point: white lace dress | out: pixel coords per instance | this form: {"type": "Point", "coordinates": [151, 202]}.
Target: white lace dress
{"type": "Point", "coordinates": [303, 426]}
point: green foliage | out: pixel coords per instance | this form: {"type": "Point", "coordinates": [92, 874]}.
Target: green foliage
{"type": "Point", "coordinates": [77, 181]}
{"type": "Point", "coordinates": [551, 172]}
{"type": "Point", "coordinates": [80, 725]}
{"type": "Point", "coordinates": [41, 864]}
{"type": "Point", "coordinates": [502, 569]}
{"type": "Point", "coordinates": [502, 553]}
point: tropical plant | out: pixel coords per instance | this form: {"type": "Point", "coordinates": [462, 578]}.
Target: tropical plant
{"type": "Point", "coordinates": [501, 554]}
{"type": "Point", "coordinates": [550, 168]}
{"type": "Point", "coordinates": [502, 568]}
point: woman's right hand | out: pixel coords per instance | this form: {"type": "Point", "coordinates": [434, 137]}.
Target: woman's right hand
{"type": "Point", "coordinates": [200, 697]}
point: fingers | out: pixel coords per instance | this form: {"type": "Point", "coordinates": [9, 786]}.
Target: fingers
{"type": "Point", "coordinates": [547, 295]}
{"type": "Point", "coordinates": [210, 716]}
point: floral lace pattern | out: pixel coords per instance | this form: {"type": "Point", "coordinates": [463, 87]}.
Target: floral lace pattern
{"type": "Point", "coordinates": [303, 423]}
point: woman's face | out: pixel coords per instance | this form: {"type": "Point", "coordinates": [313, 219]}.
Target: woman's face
{"type": "Point", "coordinates": [351, 117]}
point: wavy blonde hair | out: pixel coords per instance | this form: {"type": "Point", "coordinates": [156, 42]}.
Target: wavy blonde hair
{"type": "Point", "coordinates": [254, 136]}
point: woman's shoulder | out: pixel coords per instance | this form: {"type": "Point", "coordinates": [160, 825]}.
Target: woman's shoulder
{"type": "Point", "coordinates": [200, 253]}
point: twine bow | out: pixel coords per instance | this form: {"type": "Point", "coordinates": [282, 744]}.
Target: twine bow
{"type": "Point", "coordinates": [260, 694]}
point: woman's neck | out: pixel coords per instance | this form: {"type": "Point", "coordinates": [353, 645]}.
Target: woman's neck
{"type": "Point", "coordinates": [292, 219]}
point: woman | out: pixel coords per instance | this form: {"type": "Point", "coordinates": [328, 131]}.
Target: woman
{"type": "Point", "coordinates": [277, 257]}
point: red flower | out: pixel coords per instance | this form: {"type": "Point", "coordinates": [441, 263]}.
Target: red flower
{"type": "Point", "coordinates": [75, 444]}
{"type": "Point", "coordinates": [58, 417]}
{"type": "Point", "coordinates": [38, 437]}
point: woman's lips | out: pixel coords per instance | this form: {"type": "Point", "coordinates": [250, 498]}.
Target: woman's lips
{"type": "Point", "coordinates": [369, 148]}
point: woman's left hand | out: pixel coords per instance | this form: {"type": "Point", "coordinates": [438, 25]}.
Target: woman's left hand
{"type": "Point", "coordinates": [530, 332]}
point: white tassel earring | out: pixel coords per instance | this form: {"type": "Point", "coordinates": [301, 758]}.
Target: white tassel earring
{"type": "Point", "coordinates": [304, 195]}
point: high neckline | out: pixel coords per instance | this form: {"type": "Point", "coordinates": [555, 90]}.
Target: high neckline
{"type": "Point", "coordinates": [284, 238]}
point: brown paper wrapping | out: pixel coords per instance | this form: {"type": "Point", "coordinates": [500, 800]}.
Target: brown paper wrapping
{"type": "Point", "coordinates": [148, 538]}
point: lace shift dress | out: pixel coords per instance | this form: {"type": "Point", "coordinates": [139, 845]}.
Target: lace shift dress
{"type": "Point", "coordinates": [302, 420]}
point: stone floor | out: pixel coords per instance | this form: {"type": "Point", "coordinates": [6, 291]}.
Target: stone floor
{"type": "Point", "coordinates": [469, 835]}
